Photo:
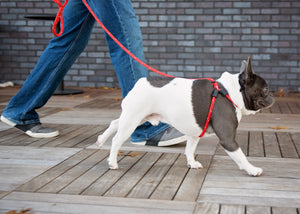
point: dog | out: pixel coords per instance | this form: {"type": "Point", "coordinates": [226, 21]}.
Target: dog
{"type": "Point", "coordinates": [184, 104]}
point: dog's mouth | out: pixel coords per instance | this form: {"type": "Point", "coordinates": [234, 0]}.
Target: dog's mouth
{"type": "Point", "coordinates": [267, 102]}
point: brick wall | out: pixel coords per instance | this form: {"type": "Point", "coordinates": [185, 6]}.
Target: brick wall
{"type": "Point", "coordinates": [191, 39]}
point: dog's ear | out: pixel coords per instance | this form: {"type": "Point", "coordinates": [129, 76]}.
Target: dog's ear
{"type": "Point", "coordinates": [247, 75]}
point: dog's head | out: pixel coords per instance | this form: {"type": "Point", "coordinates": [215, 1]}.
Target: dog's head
{"type": "Point", "coordinates": [254, 88]}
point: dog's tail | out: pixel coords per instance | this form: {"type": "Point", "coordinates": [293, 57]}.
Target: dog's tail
{"type": "Point", "coordinates": [113, 127]}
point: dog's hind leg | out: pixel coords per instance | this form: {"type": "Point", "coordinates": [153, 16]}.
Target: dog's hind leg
{"type": "Point", "coordinates": [127, 125]}
{"type": "Point", "coordinates": [113, 127]}
{"type": "Point", "coordinates": [190, 148]}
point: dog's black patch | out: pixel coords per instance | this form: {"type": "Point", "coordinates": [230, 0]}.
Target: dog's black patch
{"type": "Point", "coordinates": [159, 81]}
{"type": "Point", "coordinates": [201, 97]}
{"type": "Point", "coordinates": [223, 119]}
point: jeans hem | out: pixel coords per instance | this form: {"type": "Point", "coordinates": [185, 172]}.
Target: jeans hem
{"type": "Point", "coordinates": [17, 122]}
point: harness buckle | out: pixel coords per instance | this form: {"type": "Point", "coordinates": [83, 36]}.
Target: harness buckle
{"type": "Point", "coordinates": [215, 93]}
{"type": "Point", "coordinates": [223, 92]}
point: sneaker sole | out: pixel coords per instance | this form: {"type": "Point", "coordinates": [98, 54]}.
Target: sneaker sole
{"type": "Point", "coordinates": [8, 122]}
{"type": "Point", "coordinates": [172, 141]}
{"type": "Point", "coordinates": [164, 143]}
{"type": "Point", "coordinates": [42, 135]}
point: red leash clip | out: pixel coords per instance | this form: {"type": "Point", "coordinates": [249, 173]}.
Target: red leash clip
{"type": "Point", "coordinates": [59, 18]}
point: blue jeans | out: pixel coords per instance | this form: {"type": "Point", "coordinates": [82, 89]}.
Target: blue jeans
{"type": "Point", "coordinates": [119, 17]}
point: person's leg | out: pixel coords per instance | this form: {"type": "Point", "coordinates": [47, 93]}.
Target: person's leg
{"type": "Point", "coordinates": [119, 18]}
{"type": "Point", "coordinates": [52, 66]}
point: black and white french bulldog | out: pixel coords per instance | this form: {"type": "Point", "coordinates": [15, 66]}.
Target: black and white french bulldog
{"type": "Point", "coordinates": [184, 104]}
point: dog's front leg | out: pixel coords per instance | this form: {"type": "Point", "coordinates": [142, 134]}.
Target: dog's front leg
{"type": "Point", "coordinates": [113, 155]}
{"type": "Point", "coordinates": [241, 160]}
{"type": "Point", "coordinates": [190, 148]}
{"type": "Point", "coordinates": [226, 131]}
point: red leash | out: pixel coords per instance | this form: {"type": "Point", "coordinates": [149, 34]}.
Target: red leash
{"type": "Point", "coordinates": [122, 46]}
{"type": "Point", "coordinates": [215, 93]}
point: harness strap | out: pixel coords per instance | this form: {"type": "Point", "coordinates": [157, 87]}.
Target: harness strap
{"type": "Point", "coordinates": [214, 95]}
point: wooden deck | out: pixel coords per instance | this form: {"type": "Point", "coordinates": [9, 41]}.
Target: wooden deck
{"type": "Point", "coordinates": [68, 174]}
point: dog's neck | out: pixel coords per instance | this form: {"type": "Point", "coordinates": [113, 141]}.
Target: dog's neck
{"type": "Point", "coordinates": [232, 85]}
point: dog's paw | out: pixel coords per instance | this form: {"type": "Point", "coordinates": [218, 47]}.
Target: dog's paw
{"type": "Point", "coordinates": [255, 171]}
{"type": "Point", "coordinates": [195, 165]}
{"type": "Point", "coordinates": [112, 164]}
{"type": "Point", "coordinates": [99, 142]}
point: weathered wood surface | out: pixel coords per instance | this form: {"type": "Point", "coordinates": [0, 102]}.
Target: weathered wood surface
{"type": "Point", "coordinates": [64, 203]}
{"type": "Point", "coordinates": [20, 164]}
{"type": "Point", "coordinates": [267, 144]}
{"type": "Point", "coordinates": [67, 174]}
{"type": "Point", "coordinates": [278, 186]}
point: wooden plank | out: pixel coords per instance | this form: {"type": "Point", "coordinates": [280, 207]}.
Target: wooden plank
{"type": "Point", "coordinates": [229, 209]}
{"type": "Point", "coordinates": [272, 149]}
{"type": "Point", "coordinates": [103, 103]}
{"type": "Point", "coordinates": [60, 140]}
{"type": "Point", "coordinates": [284, 210]}
{"type": "Point", "coordinates": [168, 187]}
{"type": "Point", "coordinates": [23, 140]}
{"type": "Point", "coordinates": [8, 136]}
{"type": "Point", "coordinates": [90, 130]}
{"type": "Point", "coordinates": [287, 147]}
{"type": "Point", "coordinates": [92, 138]}
{"type": "Point", "coordinates": [84, 181]}
{"type": "Point", "coordinates": [256, 147]}
{"type": "Point", "coordinates": [46, 111]}
{"type": "Point", "coordinates": [61, 203]}
{"type": "Point", "coordinates": [242, 138]}
{"type": "Point", "coordinates": [284, 108]}
{"type": "Point", "coordinates": [64, 129]}
{"type": "Point", "coordinates": [237, 192]}
{"type": "Point", "coordinates": [63, 180]}
{"type": "Point", "coordinates": [267, 110]}
{"type": "Point", "coordinates": [192, 183]}
{"type": "Point", "coordinates": [273, 167]}
{"type": "Point", "coordinates": [53, 142]}
{"type": "Point", "coordinates": [278, 184]}
{"type": "Point", "coordinates": [150, 181]}
{"type": "Point", "coordinates": [20, 164]}
{"type": "Point", "coordinates": [4, 98]}
{"type": "Point", "coordinates": [294, 107]}
{"type": "Point", "coordinates": [105, 182]}
{"type": "Point", "coordinates": [296, 140]}
{"type": "Point", "coordinates": [258, 209]}
{"type": "Point", "coordinates": [3, 193]}
{"type": "Point", "coordinates": [46, 177]}
{"type": "Point", "coordinates": [275, 108]}
{"type": "Point", "coordinates": [131, 178]}
{"type": "Point", "coordinates": [220, 150]}
{"type": "Point", "coordinates": [207, 208]}
{"type": "Point", "coordinates": [255, 200]}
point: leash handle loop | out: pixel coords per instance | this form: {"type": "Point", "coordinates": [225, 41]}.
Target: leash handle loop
{"type": "Point", "coordinates": [59, 18]}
